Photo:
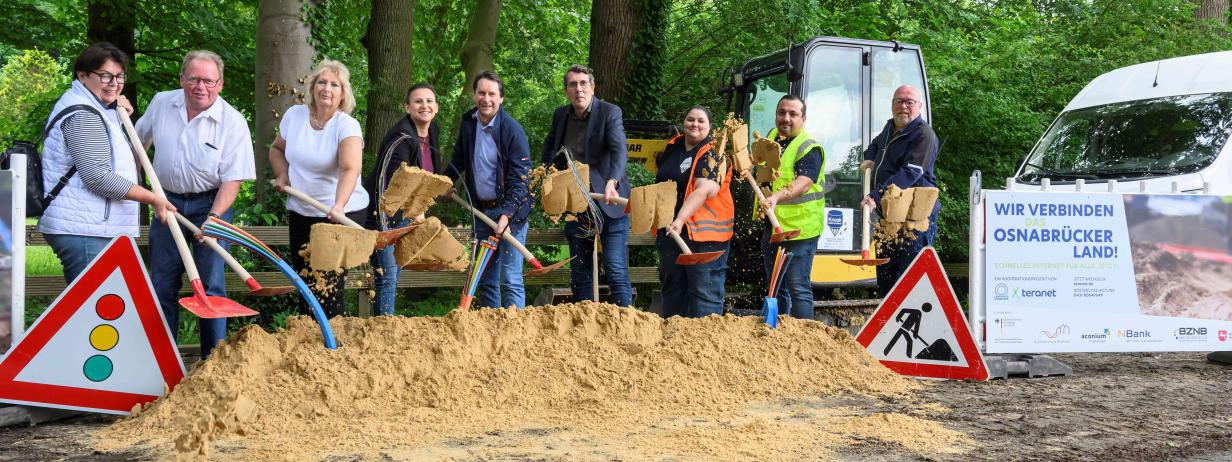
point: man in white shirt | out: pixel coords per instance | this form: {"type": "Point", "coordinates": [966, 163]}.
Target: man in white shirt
{"type": "Point", "coordinates": [202, 154]}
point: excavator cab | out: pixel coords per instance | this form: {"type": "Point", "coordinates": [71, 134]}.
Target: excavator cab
{"type": "Point", "coordinates": [847, 85]}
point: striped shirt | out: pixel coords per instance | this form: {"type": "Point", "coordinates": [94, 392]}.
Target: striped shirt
{"type": "Point", "coordinates": [86, 140]}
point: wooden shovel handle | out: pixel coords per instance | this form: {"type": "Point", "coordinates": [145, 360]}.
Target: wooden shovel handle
{"type": "Point", "coordinates": [618, 200]}
{"type": "Point", "coordinates": [761, 198]}
{"type": "Point", "coordinates": [316, 204]}
{"type": "Point", "coordinates": [680, 242]}
{"type": "Point", "coordinates": [492, 224]}
{"type": "Point", "coordinates": [864, 245]}
{"type": "Point", "coordinates": [177, 234]}
{"type": "Point", "coordinates": [217, 248]}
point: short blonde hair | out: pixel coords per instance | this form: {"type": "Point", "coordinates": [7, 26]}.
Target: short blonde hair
{"type": "Point", "coordinates": [203, 55]}
{"type": "Point", "coordinates": [328, 65]}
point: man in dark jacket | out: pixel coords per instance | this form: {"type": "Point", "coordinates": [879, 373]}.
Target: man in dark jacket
{"type": "Point", "coordinates": [493, 153]}
{"type": "Point", "coordinates": [903, 154]}
{"type": "Point", "coordinates": [594, 132]}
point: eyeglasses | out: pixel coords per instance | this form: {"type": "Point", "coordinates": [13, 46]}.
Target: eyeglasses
{"type": "Point", "coordinates": [905, 102]}
{"type": "Point", "coordinates": [107, 77]}
{"type": "Point", "coordinates": [578, 84]}
{"type": "Point", "coordinates": [209, 83]}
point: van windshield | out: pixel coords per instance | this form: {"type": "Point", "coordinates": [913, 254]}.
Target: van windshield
{"type": "Point", "coordinates": [1133, 140]}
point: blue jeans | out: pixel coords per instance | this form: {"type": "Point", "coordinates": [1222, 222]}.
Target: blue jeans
{"type": "Point", "coordinates": [500, 285]}
{"type": "Point", "coordinates": [692, 291]}
{"type": "Point", "coordinates": [901, 256]}
{"type": "Point", "coordinates": [796, 291]}
{"type": "Point", "coordinates": [75, 252]}
{"type": "Point", "coordinates": [385, 279]}
{"type": "Point", "coordinates": [167, 269]}
{"type": "Point", "coordinates": [615, 251]}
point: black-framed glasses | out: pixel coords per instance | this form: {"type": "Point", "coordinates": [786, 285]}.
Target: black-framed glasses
{"type": "Point", "coordinates": [209, 83]}
{"type": "Point", "coordinates": [578, 84]}
{"type": "Point", "coordinates": [905, 102]}
{"type": "Point", "coordinates": [107, 77]}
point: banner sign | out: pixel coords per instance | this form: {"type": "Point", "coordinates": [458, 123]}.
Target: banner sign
{"type": "Point", "coordinates": [1077, 272]}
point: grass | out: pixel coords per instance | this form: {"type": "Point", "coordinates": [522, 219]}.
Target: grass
{"type": "Point", "coordinates": [41, 261]}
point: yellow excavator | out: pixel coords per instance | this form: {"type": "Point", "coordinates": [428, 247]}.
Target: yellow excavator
{"type": "Point", "coordinates": [847, 85]}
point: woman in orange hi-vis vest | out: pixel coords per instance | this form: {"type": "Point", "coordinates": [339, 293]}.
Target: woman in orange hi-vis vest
{"type": "Point", "coordinates": [705, 216]}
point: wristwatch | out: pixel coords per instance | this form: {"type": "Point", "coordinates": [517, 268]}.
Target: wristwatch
{"type": "Point", "coordinates": [215, 215]}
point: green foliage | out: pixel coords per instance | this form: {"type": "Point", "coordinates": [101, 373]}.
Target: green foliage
{"type": "Point", "coordinates": [643, 86]}
{"type": "Point", "coordinates": [30, 84]}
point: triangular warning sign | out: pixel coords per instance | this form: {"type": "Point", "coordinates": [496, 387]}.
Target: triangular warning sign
{"type": "Point", "coordinates": [919, 328]}
{"type": "Point", "coordinates": [102, 346]}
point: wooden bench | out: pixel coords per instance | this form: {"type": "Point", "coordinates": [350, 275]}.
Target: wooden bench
{"type": "Point", "coordinates": [361, 278]}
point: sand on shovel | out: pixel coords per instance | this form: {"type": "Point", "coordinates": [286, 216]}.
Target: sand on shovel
{"type": "Point", "coordinates": [560, 192]}
{"type": "Point", "coordinates": [430, 247]}
{"type": "Point", "coordinates": [334, 247]}
{"type": "Point", "coordinates": [403, 388]}
{"type": "Point", "coordinates": [652, 207]}
{"type": "Point", "coordinates": [413, 190]}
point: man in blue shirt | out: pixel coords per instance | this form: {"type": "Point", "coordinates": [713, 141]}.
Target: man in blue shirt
{"type": "Point", "coordinates": [493, 151]}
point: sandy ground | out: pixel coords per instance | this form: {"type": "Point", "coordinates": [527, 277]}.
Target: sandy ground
{"type": "Point", "coordinates": [1115, 407]}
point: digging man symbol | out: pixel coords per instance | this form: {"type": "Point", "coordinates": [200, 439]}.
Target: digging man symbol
{"type": "Point", "coordinates": [909, 328]}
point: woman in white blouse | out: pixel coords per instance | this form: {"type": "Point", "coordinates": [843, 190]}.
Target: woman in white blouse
{"type": "Point", "coordinates": [318, 151]}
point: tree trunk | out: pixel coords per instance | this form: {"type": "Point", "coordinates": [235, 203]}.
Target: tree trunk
{"type": "Point", "coordinates": [283, 61]}
{"type": "Point", "coordinates": [115, 21]}
{"type": "Point", "coordinates": [1212, 9]}
{"type": "Point", "coordinates": [612, 25]}
{"type": "Point", "coordinates": [477, 51]}
{"type": "Point", "coordinates": [390, 47]}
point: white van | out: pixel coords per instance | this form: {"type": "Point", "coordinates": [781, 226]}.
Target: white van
{"type": "Point", "coordinates": [1157, 123]}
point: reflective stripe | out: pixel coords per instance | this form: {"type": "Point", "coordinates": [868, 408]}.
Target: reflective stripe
{"type": "Point", "coordinates": [805, 198]}
{"type": "Point", "coordinates": [710, 228]}
{"type": "Point", "coordinates": [713, 222]}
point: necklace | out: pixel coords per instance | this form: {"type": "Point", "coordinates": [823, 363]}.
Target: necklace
{"type": "Point", "coordinates": [312, 120]}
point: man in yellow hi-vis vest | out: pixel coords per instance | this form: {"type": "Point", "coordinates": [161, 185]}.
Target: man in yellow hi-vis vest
{"type": "Point", "coordinates": [798, 201]}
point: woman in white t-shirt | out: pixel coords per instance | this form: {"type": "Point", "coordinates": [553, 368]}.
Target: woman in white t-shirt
{"type": "Point", "coordinates": [318, 151]}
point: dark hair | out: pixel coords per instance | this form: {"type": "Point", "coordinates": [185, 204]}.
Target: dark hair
{"type": "Point", "coordinates": [94, 56]}
{"type": "Point", "coordinates": [578, 69]}
{"type": "Point", "coordinates": [419, 86]}
{"type": "Point", "coordinates": [698, 107]}
{"type": "Point", "coordinates": [489, 75]}
{"type": "Point", "coordinates": [803, 107]}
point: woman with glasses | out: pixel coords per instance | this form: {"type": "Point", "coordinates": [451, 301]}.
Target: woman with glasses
{"type": "Point", "coordinates": [705, 215]}
{"type": "Point", "coordinates": [89, 169]}
{"type": "Point", "coordinates": [318, 151]}
{"type": "Point", "coordinates": [414, 140]}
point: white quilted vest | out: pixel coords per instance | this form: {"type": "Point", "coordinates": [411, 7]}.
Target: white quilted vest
{"type": "Point", "coordinates": [77, 210]}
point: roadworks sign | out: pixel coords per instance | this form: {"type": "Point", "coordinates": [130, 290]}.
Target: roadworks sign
{"type": "Point", "coordinates": [102, 346]}
{"type": "Point", "coordinates": [919, 328]}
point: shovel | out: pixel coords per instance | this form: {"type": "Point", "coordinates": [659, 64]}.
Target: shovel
{"type": "Point", "coordinates": [254, 287]}
{"type": "Point", "coordinates": [618, 200]}
{"type": "Point", "coordinates": [200, 304]}
{"type": "Point", "coordinates": [383, 238]}
{"type": "Point", "coordinates": [779, 235]}
{"type": "Point", "coordinates": [534, 262]}
{"type": "Point", "coordinates": [865, 255]}
{"type": "Point", "coordinates": [688, 258]}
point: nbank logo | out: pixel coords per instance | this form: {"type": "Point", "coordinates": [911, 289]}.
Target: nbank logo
{"type": "Point", "coordinates": [1128, 333]}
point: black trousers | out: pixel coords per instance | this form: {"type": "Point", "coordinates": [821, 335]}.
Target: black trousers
{"type": "Point", "coordinates": [331, 298]}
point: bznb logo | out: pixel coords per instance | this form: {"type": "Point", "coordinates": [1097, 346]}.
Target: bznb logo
{"type": "Point", "coordinates": [1189, 333]}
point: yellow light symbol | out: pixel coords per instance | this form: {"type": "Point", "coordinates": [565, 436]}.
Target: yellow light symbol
{"type": "Point", "coordinates": [104, 337]}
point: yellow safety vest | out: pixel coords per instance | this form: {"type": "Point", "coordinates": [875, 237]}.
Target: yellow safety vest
{"type": "Point", "coordinates": [807, 211]}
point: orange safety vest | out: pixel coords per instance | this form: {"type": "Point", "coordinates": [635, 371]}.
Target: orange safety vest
{"type": "Point", "coordinates": [714, 221]}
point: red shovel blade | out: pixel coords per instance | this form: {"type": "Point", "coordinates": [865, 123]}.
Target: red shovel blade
{"type": "Point", "coordinates": [385, 238]}
{"type": "Point", "coordinates": [540, 269]}
{"type": "Point", "coordinates": [211, 306]}
{"type": "Point", "coordinates": [864, 260]}
{"type": "Point", "coordinates": [255, 289]}
{"type": "Point", "coordinates": [690, 259]}
{"type": "Point", "coordinates": [780, 235]}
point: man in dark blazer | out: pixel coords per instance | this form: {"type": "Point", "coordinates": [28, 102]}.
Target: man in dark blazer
{"type": "Point", "coordinates": [594, 132]}
{"type": "Point", "coordinates": [493, 152]}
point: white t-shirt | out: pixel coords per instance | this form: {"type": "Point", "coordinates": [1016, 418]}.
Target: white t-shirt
{"type": "Point", "coordinates": [198, 155]}
{"type": "Point", "coordinates": [313, 159]}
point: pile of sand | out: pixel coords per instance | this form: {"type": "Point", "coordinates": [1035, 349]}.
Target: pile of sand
{"type": "Point", "coordinates": [593, 375]}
